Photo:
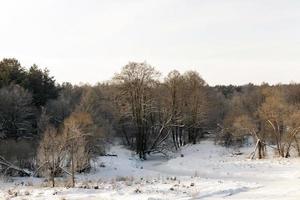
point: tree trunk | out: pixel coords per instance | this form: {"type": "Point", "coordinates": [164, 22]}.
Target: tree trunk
{"type": "Point", "coordinates": [72, 163]}
{"type": "Point", "coordinates": [174, 138]}
{"type": "Point", "coordinates": [126, 136]}
{"type": "Point", "coordinates": [297, 145]}
{"type": "Point", "coordinates": [52, 177]}
{"type": "Point", "coordinates": [260, 150]}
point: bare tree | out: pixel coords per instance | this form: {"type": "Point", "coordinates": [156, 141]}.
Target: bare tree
{"type": "Point", "coordinates": [282, 119]}
{"type": "Point", "coordinates": [50, 154]}
{"type": "Point", "coordinates": [195, 105]}
{"type": "Point", "coordinates": [77, 139]}
{"type": "Point", "coordinates": [243, 126]}
{"type": "Point", "coordinates": [135, 82]}
{"type": "Point", "coordinates": [173, 103]}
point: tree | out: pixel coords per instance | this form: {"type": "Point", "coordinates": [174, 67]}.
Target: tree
{"type": "Point", "coordinates": [50, 154]}
{"type": "Point", "coordinates": [174, 99]}
{"type": "Point", "coordinates": [195, 105]}
{"type": "Point", "coordinates": [68, 147]}
{"type": "Point", "coordinates": [99, 107]}
{"type": "Point", "coordinates": [42, 85]}
{"type": "Point", "coordinates": [243, 126]}
{"type": "Point", "coordinates": [11, 72]}
{"type": "Point", "coordinates": [77, 138]}
{"type": "Point", "coordinates": [16, 112]}
{"type": "Point", "coordinates": [274, 111]}
{"type": "Point", "coordinates": [39, 82]}
{"type": "Point", "coordinates": [135, 81]}
{"type": "Point", "coordinates": [282, 119]}
{"type": "Point", "coordinates": [293, 129]}
{"type": "Point", "coordinates": [234, 109]}
{"type": "Point", "coordinates": [59, 109]}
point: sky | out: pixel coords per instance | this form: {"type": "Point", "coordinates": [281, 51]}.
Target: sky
{"type": "Point", "coordinates": [88, 41]}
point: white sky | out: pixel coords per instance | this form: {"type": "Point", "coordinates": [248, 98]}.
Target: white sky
{"type": "Point", "coordinates": [226, 41]}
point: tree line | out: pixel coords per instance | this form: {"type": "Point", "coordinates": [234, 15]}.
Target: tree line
{"type": "Point", "coordinates": [71, 124]}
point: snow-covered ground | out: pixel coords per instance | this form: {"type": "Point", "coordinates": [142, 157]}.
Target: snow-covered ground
{"type": "Point", "coordinates": [205, 171]}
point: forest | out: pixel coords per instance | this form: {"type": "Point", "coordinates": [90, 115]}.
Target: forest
{"type": "Point", "coordinates": [48, 128]}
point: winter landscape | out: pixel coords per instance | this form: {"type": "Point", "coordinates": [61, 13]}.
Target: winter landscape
{"type": "Point", "coordinates": [205, 172]}
{"type": "Point", "coordinates": [149, 100]}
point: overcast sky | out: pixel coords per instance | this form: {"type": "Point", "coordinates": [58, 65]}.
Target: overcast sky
{"type": "Point", "coordinates": [226, 41]}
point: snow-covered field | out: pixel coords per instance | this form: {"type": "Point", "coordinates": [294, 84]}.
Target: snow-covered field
{"type": "Point", "coordinates": [205, 171]}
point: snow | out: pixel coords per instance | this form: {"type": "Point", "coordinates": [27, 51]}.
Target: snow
{"type": "Point", "coordinates": [206, 171]}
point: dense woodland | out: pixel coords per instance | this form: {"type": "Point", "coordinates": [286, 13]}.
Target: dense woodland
{"type": "Point", "coordinates": [47, 128]}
